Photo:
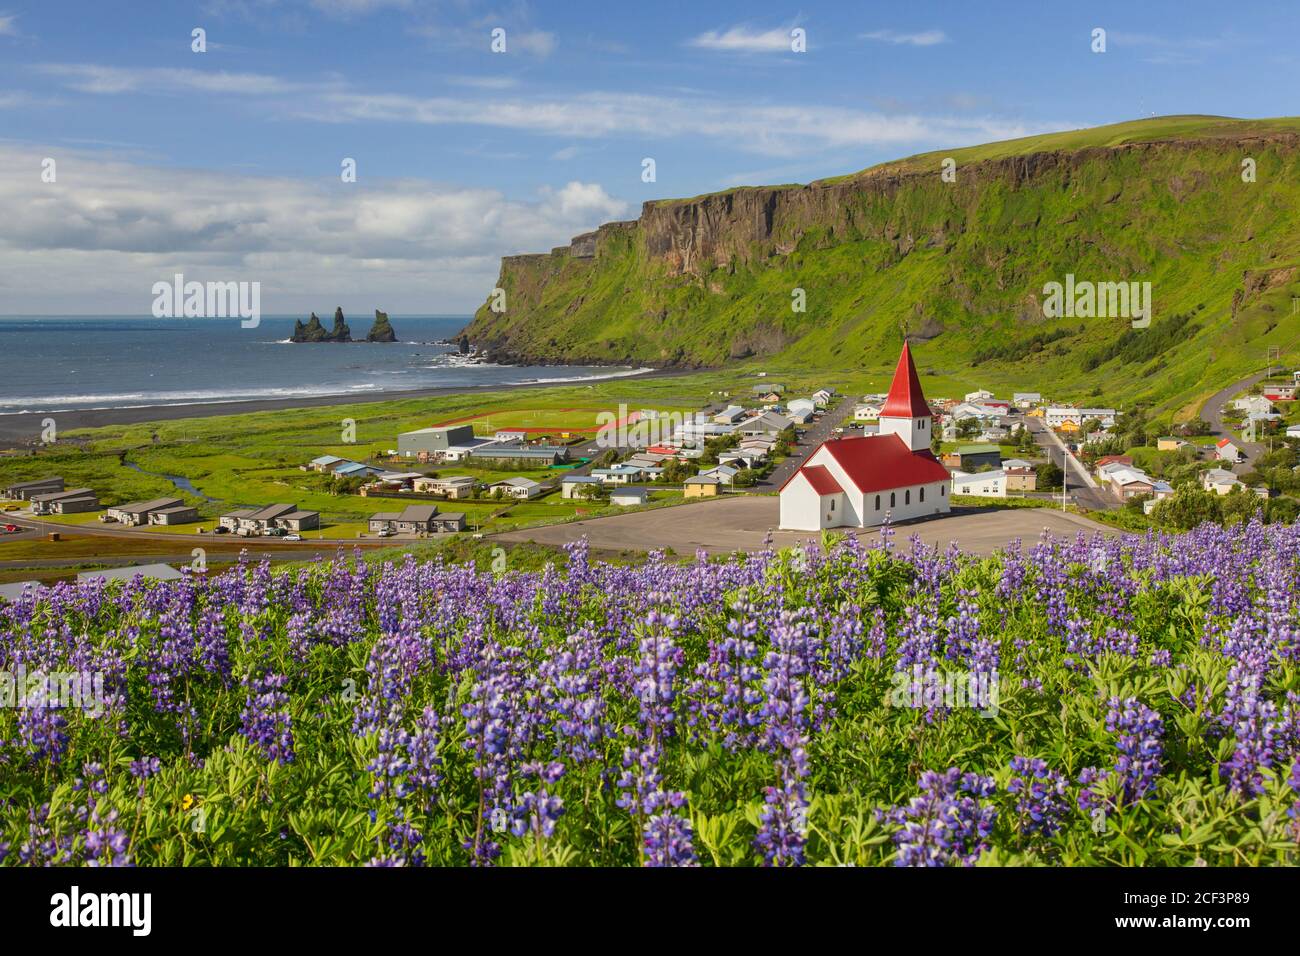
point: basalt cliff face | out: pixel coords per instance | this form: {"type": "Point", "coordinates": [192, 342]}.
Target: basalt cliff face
{"type": "Point", "coordinates": [835, 271]}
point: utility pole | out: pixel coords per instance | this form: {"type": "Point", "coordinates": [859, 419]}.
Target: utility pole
{"type": "Point", "coordinates": [1065, 476]}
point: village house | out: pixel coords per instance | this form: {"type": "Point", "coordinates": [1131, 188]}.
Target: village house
{"type": "Point", "coordinates": [323, 463]}
{"type": "Point", "coordinates": [866, 412]}
{"type": "Point", "coordinates": [701, 486]}
{"type": "Point", "coordinates": [618, 475]}
{"type": "Point", "coordinates": [137, 512]}
{"type": "Point", "coordinates": [978, 395]}
{"type": "Point", "coordinates": [1160, 490]}
{"type": "Point", "coordinates": [521, 488]}
{"type": "Point", "coordinates": [1293, 431]}
{"type": "Point", "coordinates": [256, 521]}
{"type": "Point", "coordinates": [1225, 450]}
{"type": "Point", "coordinates": [861, 482]}
{"type": "Point", "coordinates": [25, 490]}
{"type": "Point", "coordinates": [726, 474]}
{"type": "Point", "coordinates": [768, 423]}
{"type": "Point", "coordinates": [800, 414]}
{"type": "Point", "coordinates": [729, 415]}
{"type": "Point", "coordinates": [1279, 390]}
{"type": "Point", "coordinates": [430, 443]}
{"type": "Point", "coordinates": [447, 521]}
{"type": "Point", "coordinates": [1021, 475]}
{"type": "Point", "coordinates": [73, 501]}
{"type": "Point", "coordinates": [570, 485]}
{"type": "Point", "coordinates": [511, 435]}
{"type": "Point", "coordinates": [629, 497]}
{"type": "Point", "coordinates": [1169, 443]}
{"type": "Point", "coordinates": [1026, 399]}
{"type": "Point", "coordinates": [984, 484]}
{"type": "Point", "coordinates": [177, 514]}
{"type": "Point", "coordinates": [452, 486]}
{"type": "Point", "coordinates": [533, 454]}
{"type": "Point", "coordinates": [1126, 482]}
{"type": "Point", "coordinates": [1059, 416]}
{"type": "Point", "coordinates": [1253, 404]}
{"type": "Point", "coordinates": [823, 396]}
{"type": "Point", "coordinates": [1220, 481]}
{"type": "Point", "coordinates": [1105, 460]}
{"type": "Point", "coordinates": [413, 519]}
{"type": "Point", "coordinates": [970, 458]}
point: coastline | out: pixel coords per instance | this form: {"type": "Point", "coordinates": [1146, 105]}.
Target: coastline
{"type": "Point", "coordinates": [17, 430]}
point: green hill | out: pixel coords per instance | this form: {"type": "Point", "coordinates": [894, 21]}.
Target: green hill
{"type": "Point", "coordinates": [960, 265]}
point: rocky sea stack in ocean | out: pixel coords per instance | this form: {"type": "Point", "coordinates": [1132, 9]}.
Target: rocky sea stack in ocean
{"type": "Point", "coordinates": [313, 331]}
{"type": "Point", "coordinates": [381, 331]}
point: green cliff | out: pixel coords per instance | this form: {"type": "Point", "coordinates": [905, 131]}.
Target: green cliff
{"type": "Point", "coordinates": [960, 265]}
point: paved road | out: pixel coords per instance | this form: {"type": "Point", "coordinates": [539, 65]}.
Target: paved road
{"type": "Point", "coordinates": [812, 436]}
{"type": "Point", "coordinates": [1212, 412]}
{"type": "Point", "coordinates": [1083, 489]}
{"type": "Point", "coordinates": [740, 523]}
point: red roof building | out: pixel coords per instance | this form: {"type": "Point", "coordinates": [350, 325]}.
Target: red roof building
{"type": "Point", "coordinates": [859, 482]}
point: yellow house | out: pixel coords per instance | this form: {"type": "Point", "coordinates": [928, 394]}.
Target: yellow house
{"type": "Point", "coordinates": [1036, 413]}
{"type": "Point", "coordinates": [1069, 427]}
{"type": "Point", "coordinates": [1168, 443]}
{"type": "Point", "coordinates": [701, 486]}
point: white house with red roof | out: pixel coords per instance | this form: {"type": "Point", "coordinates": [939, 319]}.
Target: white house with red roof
{"type": "Point", "coordinates": [861, 482]}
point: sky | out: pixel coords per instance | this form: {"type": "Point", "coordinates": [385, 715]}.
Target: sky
{"type": "Point", "coordinates": [227, 164]}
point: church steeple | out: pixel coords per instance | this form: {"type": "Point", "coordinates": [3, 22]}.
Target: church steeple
{"type": "Point", "coordinates": [906, 413]}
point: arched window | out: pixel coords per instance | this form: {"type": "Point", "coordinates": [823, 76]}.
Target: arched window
{"type": "Point", "coordinates": [923, 494]}
{"type": "Point", "coordinates": [891, 499]}
{"type": "Point", "coordinates": [877, 502]}
{"type": "Point", "coordinates": [907, 496]}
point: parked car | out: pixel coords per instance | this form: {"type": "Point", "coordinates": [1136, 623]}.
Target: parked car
{"type": "Point", "coordinates": [274, 532]}
{"type": "Point", "coordinates": [293, 537]}
{"type": "Point", "coordinates": [221, 529]}
{"type": "Point", "coordinates": [386, 533]}
{"type": "Point", "coordinates": [12, 529]}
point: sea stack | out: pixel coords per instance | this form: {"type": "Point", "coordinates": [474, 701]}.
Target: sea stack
{"type": "Point", "coordinates": [381, 331]}
{"type": "Point", "coordinates": [341, 332]}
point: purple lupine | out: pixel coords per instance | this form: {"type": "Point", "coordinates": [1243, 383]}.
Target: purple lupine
{"type": "Point", "coordinates": [266, 721]}
{"type": "Point", "coordinates": [946, 824]}
{"type": "Point", "coordinates": [1042, 802]}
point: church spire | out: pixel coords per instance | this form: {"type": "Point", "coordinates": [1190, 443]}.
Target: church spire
{"type": "Point", "coordinates": [905, 398]}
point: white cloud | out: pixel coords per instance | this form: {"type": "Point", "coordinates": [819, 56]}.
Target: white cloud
{"type": "Point", "coordinates": [89, 78]}
{"type": "Point", "coordinates": [347, 8]}
{"type": "Point", "coordinates": [743, 125]}
{"type": "Point", "coordinates": [924, 38]}
{"type": "Point", "coordinates": [742, 39]}
{"type": "Point", "coordinates": [7, 27]}
{"type": "Point", "coordinates": [109, 229]}
{"type": "Point", "coordinates": [766, 129]}
{"type": "Point", "coordinates": [536, 42]}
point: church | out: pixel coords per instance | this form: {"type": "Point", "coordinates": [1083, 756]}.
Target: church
{"type": "Point", "coordinates": [861, 482]}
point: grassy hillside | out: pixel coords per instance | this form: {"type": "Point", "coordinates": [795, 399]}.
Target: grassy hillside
{"type": "Point", "coordinates": [960, 265]}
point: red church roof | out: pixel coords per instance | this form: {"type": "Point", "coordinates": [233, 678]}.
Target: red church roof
{"type": "Point", "coordinates": [876, 463]}
{"type": "Point", "coordinates": [822, 481]}
{"type": "Point", "coordinates": [905, 399]}
{"type": "Point", "coordinates": [881, 462]}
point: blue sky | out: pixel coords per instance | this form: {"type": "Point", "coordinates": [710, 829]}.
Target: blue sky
{"type": "Point", "coordinates": [225, 164]}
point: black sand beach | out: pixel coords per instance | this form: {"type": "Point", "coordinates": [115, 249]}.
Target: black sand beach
{"type": "Point", "coordinates": [19, 431]}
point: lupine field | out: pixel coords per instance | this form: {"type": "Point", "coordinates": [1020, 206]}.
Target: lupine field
{"type": "Point", "coordinates": [729, 712]}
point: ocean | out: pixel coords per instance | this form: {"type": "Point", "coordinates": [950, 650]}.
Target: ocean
{"type": "Point", "coordinates": [67, 363]}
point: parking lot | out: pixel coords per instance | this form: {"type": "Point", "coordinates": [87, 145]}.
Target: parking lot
{"type": "Point", "coordinates": [740, 523]}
